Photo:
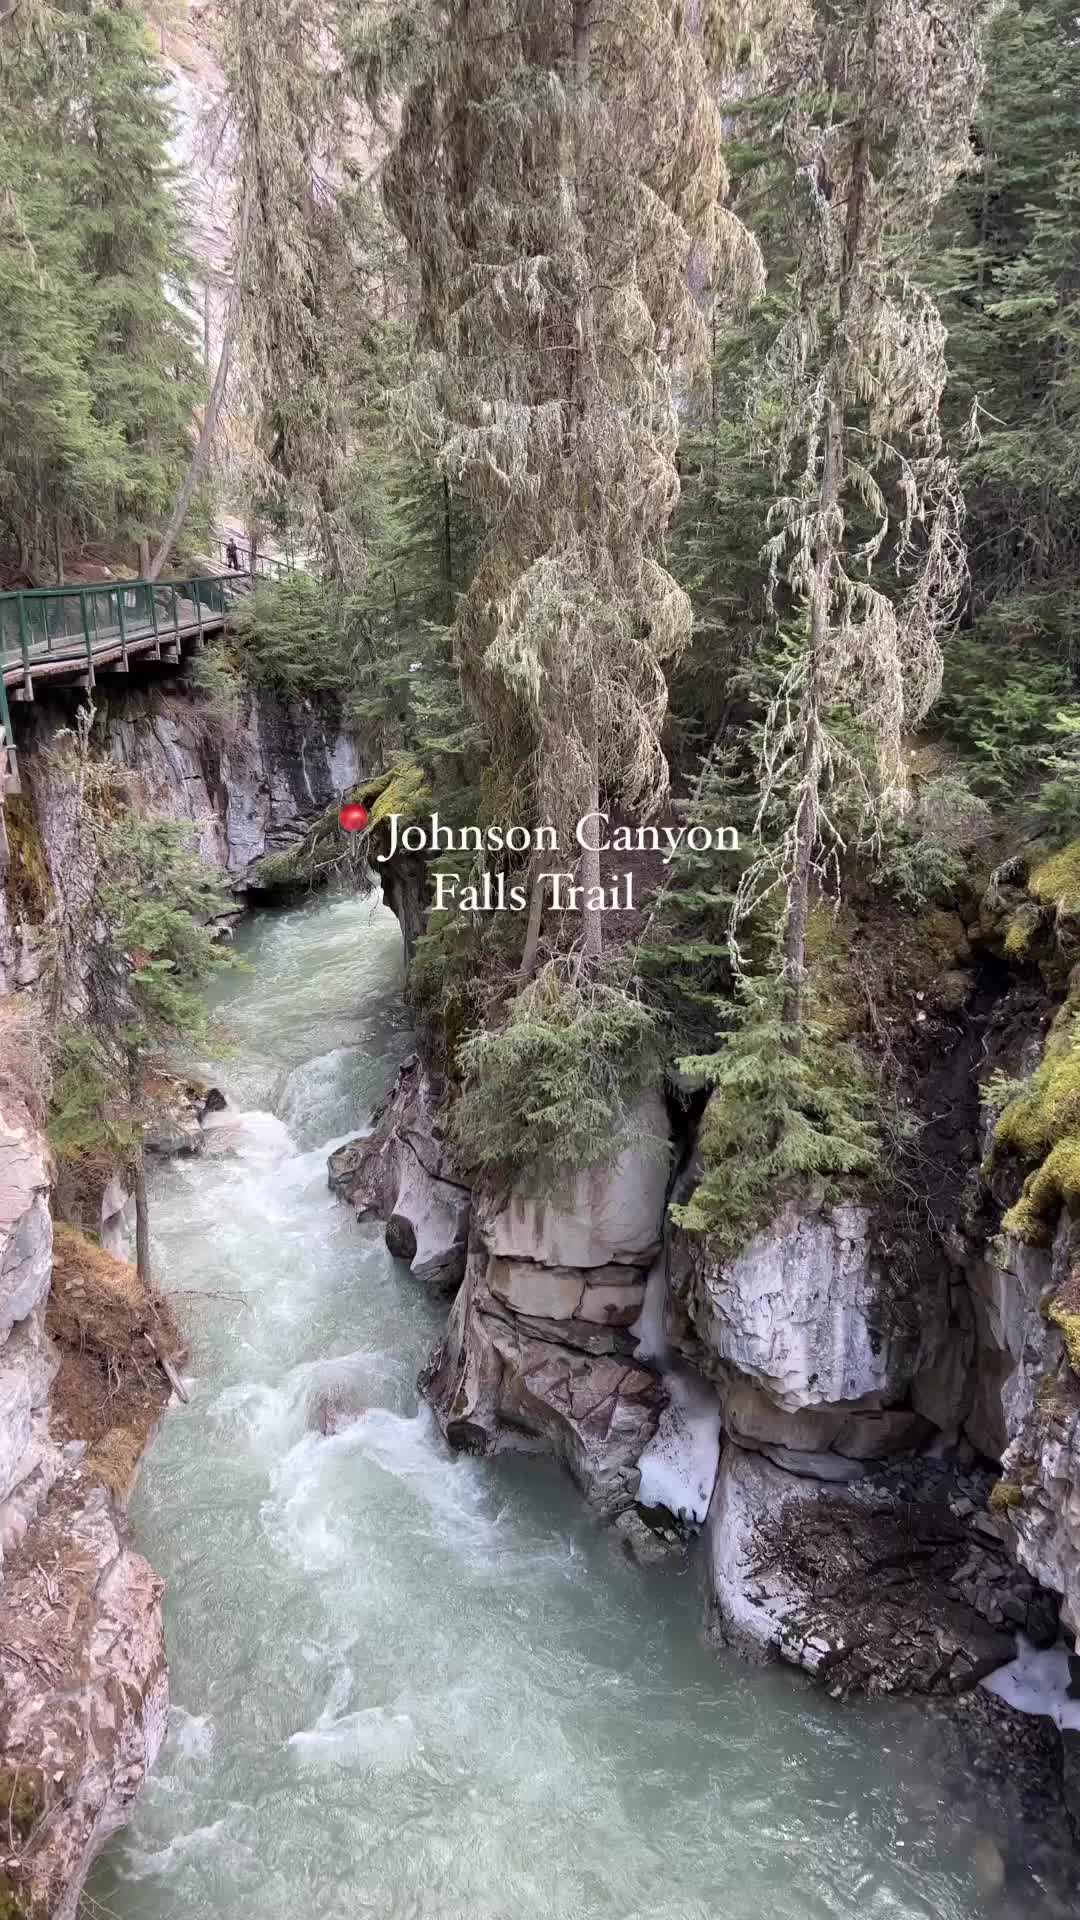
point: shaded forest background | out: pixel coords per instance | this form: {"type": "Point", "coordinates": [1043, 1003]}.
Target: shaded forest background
{"type": "Point", "coordinates": [736, 459]}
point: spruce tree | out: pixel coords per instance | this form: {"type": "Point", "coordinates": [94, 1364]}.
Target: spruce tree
{"type": "Point", "coordinates": [1006, 265]}
{"type": "Point", "coordinates": [558, 178]}
{"type": "Point", "coordinates": [101, 380]}
{"type": "Point", "coordinates": [873, 103]}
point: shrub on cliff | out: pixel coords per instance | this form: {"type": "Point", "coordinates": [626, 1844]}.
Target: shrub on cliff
{"type": "Point", "coordinates": [778, 1115]}
{"type": "Point", "coordinates": [553, 1090]}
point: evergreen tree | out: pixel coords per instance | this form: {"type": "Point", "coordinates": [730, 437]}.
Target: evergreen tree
{"type": "Point", "coordinates": [558, 178]}
{"type": "Point", "coordinates": [873, 103]}
{"type": "Point", "coordinates": [97, 351]}
{"type": "Point", "coordinates": [1006, 265]}
{"type": "Point", "coordinates": [135, 945]}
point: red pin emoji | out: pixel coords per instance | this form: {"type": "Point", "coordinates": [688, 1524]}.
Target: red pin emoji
{"type": "Point", "coordinates": [353, 817]}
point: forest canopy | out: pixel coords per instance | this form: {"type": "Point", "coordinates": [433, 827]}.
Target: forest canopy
{"type": "Point", "coordinates": [677, 410]}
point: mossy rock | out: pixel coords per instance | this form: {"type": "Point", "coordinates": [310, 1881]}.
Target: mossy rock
{"type": "Point", "coordinates": [1055, 882]}
{"type": "Point", "coordinates": [28, 883]}
{"type": "Point", "coordinates": [22, 1799]}
{"type": "Point", "coordinates": [1021, 929]}
{"type": "Point", "coordinates": [16, 1902]}
{"type": "Point", "coordinates": [403, 790]}
{"type": "Point", "coordinates": [951, 990]}
{"type": "Point", "coordinates": [282, 872]}
{"type": "Point", "coordinates": [1043, 1124]}
{"type": "Point", "coordinates": [23, 1805]}
{"type": "Point", "coordinates": [1004, 1496]}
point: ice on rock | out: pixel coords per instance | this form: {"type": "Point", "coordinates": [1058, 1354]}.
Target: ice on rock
{"type": "Point", "coordinates": [1037, 1681]}
{"type": "Point", "coordinates": [678, 1467]}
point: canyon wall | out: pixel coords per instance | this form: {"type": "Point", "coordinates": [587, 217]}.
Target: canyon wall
{"type": "Point", "coordinates": [249, 783]}
{"type": "Point", "coordinates": [83, 1688]}
{"type": "Point", "coordinates": [867, 1413]}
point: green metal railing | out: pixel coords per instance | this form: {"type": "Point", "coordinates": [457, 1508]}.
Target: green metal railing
{"type": "Point", "coordinates": [265, 566]}
{"type": "Point", "coordinates": [55, 629]}
{"type": "Point", "coordinates": [52, 626]}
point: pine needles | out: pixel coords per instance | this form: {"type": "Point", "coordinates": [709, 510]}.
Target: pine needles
{"type": "Point", "coordinates": [778, 1116]}
{"type": "Point", "coordinates": [553, 1090]}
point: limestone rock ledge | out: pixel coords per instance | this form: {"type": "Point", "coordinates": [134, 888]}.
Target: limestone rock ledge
{"type": "Point", "coordinates": [1026, 1408]}
{"type": "Point", "coordinates": [84, 1701]}
{"type": "Point", "coordinates": [404, 1172]}
{"type": "Point", "coordinates": [526, 1381]}
{"type": "Point", "coordinates": [863, 1586]}
{"type": "Point", "coordinates": [538, 1353]}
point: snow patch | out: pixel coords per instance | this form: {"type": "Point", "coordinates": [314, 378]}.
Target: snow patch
{"type": "Point", "coordinates": [1037, 1681]}
{"type": "Point", "coordinates": [678, 1467]}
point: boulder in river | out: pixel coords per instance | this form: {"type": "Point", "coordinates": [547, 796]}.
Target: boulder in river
{"type": "Point", "coordinates": [404, 1172]}
{"type": "Point", "coordinates": [330, 1409]}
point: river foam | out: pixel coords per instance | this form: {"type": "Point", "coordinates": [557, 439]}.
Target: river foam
{"type": "Point", "coordinates": [417, 1685]}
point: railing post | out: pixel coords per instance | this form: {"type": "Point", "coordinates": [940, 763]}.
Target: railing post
{"type": "Point", "coordinates": [123, 626]}
{"type": "Point", "coordinates": [176, 614]}
{"type": "Point", "coordinates": [86, 634]}
{"type": "Point", "coordinates": [10, 782]}
{"type": "Point", "coordinates": [24, 649]}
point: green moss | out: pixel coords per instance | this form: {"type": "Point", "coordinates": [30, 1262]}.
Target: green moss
{"type": "Point", "coordinates": [22, 1800]}
{"type": "Point", "coordinates": [1043, 1124]}
{"type": "Point", "coordinates": [1021, 929]}
{"type": "Point", "coordinates": [282, 871]}
{"type": "Point", "coordinates": [829, 940]}
{"type": "Point", "coordinates": [15, 1903]}
{"type": "Point", "coordinates": [1004, 1496]}
{"type": "Point", "coordinates": [404, 791]}
{"type": "Point", "coordinates": [28, 882]}
{"type": "Point", "coordinates": [22, 1807]}
{"type": "Point", "coordinates": [1054, 1185]}
{"type": "Point", "coordinates": [1056, 881]}
{"type": "Point", "coordinates": [1067, 1320]}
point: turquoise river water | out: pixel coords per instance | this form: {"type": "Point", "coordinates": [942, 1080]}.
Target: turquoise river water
{"type": "Point", "coordinates": [424, 1687]}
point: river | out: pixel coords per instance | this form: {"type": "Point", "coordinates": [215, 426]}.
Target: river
{"type": "Point", "coordinates": [419, 1686]}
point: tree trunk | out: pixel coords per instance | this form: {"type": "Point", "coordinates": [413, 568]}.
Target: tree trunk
{"type": "Point", "coordinates": [832, 467]}
{"type": "Point", "coordinates": [592, 923]}
{"type": "Point", "coordinates": [591, 917]}
{"type": "Point", "coordinates": [537, 891]}
{"type": "Point", "coordinates": [142, 1220]}
{"type": "Point", "coordinates": [144, 559]}
{"type": "Point", "coordinates": [213, 406]}
{"type": "Point", "coordinates": [448, 552]}
{"type": "Point", "coordinates": [809, 809]}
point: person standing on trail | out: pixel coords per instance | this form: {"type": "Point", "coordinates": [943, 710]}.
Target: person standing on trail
{"type": "Point", "coordinates": [232, 558]}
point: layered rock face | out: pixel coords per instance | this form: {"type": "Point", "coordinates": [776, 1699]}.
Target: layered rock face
{"type": "Point", "coordinates": [83, 1692]}
{"type": "Point", "coordinates": [250, 785]}
{"type": "Point", "coordinates": [85, 1689]}
{"type": "Point", "coordinates": [29, 1462]}
{"type": "Point", "coordinates": [539, 1353]}
{"type": "Point", "coordinates": [848, 1527]}
{"type": "Point", "coordinates": [1040, 1413]}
